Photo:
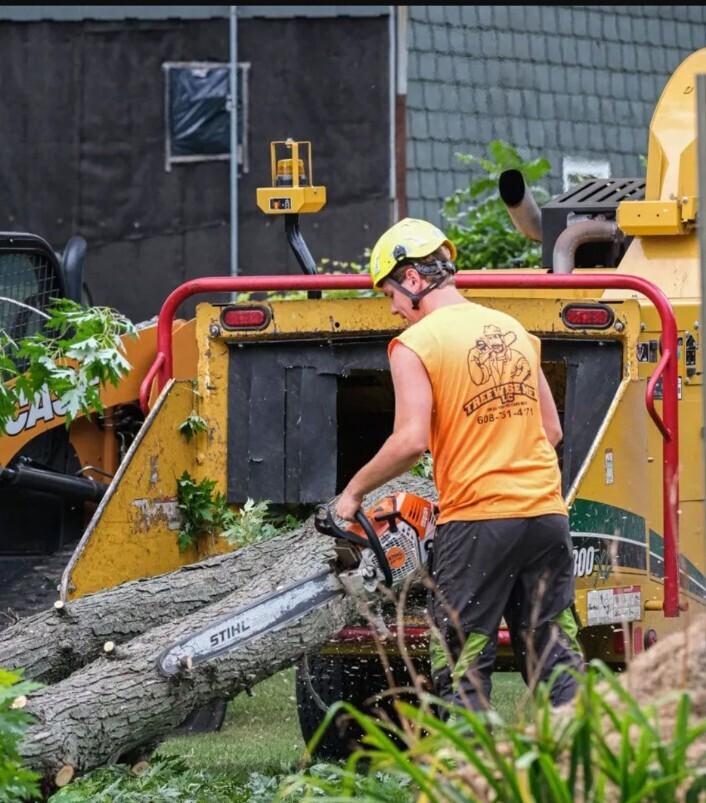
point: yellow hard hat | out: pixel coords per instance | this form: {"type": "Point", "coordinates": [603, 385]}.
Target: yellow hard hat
{"type": "Point", "coordinates": [406, 241]}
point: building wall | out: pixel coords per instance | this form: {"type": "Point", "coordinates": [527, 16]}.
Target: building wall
{"type": "Point", "coordinates": [82, 135]}
{"type": "Point", "coordinates": [82, 145]}
{"type": "Point", "coordinates": [553, 81]}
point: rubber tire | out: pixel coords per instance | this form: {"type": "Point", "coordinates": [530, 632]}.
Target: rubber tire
{"type": "Point", "coordinates": [206, 719]}
{"type": "Point", "coordinates": [353, 679]}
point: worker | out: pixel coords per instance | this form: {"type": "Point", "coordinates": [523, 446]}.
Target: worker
{"type": "Point", "coordinates": [469, 387]}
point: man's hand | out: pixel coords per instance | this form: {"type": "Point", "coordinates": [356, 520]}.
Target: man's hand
{"type": "Point", "coordinates": [348, 505]}
{"type": "Point", "coordinates": [480, 355]}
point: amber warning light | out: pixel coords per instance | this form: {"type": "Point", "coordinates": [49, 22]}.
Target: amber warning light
{"type": "Point", "coordinates": [245, 317]}
{"type": "Point", "coordinates": [587, 316]}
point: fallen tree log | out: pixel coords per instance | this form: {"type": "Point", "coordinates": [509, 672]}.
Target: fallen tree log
{"type": "Point", "coordinates": [51, 645]}
{"type": "Point", "coordinates": [117, 703]}
{"type": "Point", "coordinates": [120, 700]}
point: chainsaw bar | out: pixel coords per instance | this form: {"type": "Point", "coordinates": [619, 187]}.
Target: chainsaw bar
{"type": "Point", "coordinates": [244, 624]}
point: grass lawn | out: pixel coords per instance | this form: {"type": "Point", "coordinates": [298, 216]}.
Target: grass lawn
{"type": "Point", "coordinates": [261, 733]}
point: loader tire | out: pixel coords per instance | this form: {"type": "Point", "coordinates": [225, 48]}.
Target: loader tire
{"type": "Point", "coordinates": [342, 677]}
{"type": "Point", "coordinates": [206, 719]}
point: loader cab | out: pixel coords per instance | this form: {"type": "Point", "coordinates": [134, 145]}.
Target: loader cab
{"type": "Point", "coordinates": [31, 275]}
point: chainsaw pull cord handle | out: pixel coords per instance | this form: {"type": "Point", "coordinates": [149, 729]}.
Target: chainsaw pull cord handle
{"type": "Point", "coordinates": [325, 524]}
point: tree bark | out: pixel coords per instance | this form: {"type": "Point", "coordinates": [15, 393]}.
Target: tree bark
{"type": "Point", "coordinates": [120, 700]}
{"type": "Point", "coordinates": [49, 646]}
{"type": "Point", "coordinates": [117, 703]}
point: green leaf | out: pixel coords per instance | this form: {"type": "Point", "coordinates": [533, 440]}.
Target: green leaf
{"type": "Point", "coordinates": [477, 221]}
{"type": "Point", "coordinates": [78, 353]}
{"type": "Point", "coordinates": [205, 511]}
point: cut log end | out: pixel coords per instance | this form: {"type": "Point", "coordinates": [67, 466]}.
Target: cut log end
{"type": "Point", "coordinates": [19, 702]}
{"type": "Point", "coordinates": [140, 767]}
{"type": "Point", "coordinates": [64, 776]}
{"type": "Point", "coordinates": [109, 647]}
{"type": "Point", "coordinates": [59, 606]}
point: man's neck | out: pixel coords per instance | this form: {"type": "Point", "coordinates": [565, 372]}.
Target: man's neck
{"type": "Point", "coordinates": [441, 297]}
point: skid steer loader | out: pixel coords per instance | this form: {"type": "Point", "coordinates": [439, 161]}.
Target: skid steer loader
{"type": "Point", "coordinates": [296, 396]}
{"type": "Point", "coordinates": [52, 478]}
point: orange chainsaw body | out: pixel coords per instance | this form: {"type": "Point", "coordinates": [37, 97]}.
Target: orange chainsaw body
{"type": "Point", "coordinates": [405, 525]}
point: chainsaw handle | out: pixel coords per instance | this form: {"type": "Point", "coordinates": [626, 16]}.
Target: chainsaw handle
{"type": "Point", "coordinates": [325, 524]}
{"type": "Point", "coordinates": [376, 546]}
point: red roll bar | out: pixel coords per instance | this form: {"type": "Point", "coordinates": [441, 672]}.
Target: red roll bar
{"type": "Point", "coordinates": [666, 369]}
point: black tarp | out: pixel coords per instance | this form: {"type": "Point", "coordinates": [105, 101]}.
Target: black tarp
{"type": "Point", "coordinates": [198, 112]}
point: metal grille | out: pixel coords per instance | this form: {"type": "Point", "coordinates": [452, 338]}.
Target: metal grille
{"type": "Point", "coordinates": [595, 196]}
{"type": "Point", "coordinates": [30, 279]}
{"type": "Point", "coordinates": [599, 194]}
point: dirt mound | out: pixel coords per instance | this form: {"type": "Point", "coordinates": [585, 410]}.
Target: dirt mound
{"type": "Point", "coordinates": [676, 664]}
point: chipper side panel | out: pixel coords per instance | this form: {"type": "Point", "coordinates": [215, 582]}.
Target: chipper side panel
{"type": "Point", "coordinates": [134, 532]}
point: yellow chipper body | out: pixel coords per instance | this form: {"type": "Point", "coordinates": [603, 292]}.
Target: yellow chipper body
{"type": "Point", "coordinates": [296, 395]}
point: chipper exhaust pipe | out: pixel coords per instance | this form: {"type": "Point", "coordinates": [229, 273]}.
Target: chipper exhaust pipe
{"type": "Point", "coordinates": [521, 206]}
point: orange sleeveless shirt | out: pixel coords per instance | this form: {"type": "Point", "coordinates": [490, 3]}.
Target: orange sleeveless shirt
{"type": "Point", "coordinates": [492, 458]}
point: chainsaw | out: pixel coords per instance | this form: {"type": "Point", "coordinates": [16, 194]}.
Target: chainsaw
{"type": "Point", "coordinates": [389, 544]}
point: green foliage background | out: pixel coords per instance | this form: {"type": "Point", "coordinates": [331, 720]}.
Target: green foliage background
{"type": "Point", "coordinates": [17, 783]}
{"type": "Point", "coordinates": [79, 352]}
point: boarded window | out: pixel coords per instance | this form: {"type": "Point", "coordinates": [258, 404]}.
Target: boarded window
{"type": "Point", "coordinates": [198, 112]}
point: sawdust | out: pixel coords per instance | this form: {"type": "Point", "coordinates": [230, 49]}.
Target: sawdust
{"type": "Point", "coordinates": [658, 677]}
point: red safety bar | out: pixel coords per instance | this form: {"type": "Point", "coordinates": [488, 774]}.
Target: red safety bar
{"type": "Point", "coordinates": [354, 635]}
{"type": "Point", "coordinates": [666, 369]}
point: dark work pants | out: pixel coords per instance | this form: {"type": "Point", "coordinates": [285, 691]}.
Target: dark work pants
{"type": "Point", "coordinates": [519, 569]}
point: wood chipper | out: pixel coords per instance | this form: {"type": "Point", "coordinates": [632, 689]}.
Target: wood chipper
{"type": "Point", "coordinates": [295, 396]}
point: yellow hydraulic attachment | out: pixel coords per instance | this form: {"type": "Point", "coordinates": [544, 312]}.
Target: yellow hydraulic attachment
{"type": "Point", "coordinates": [670, 203]}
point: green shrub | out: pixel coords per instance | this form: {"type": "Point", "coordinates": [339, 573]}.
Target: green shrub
{"type": "Point", "coordinates": [167, 781]}
{"type": "Point", "coordinates": [477, 221]}
{"type": "Point", "coordinates": [326, 267]}
{"type": "Point", "coordinates": [607, 747]}
{"type": "Point", "coordinates": [17, 783]}
{"type": "Point", "coordinates": [424, 468]}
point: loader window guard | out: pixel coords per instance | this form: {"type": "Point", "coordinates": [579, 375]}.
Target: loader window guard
{"type": "Point", "coordinates": [666, 369]}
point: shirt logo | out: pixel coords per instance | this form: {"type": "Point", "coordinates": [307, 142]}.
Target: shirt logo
{"type": "Point", "coordinates": [501, 371]}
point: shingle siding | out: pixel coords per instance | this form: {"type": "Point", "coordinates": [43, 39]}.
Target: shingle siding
{"type": "Point", "coordinates": [577, 81]}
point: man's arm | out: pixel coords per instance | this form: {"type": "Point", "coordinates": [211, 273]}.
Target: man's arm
{"type": "Point", "coordinates": [410, 435]}
{"type": "Point", "coordinates": [547, 407]}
